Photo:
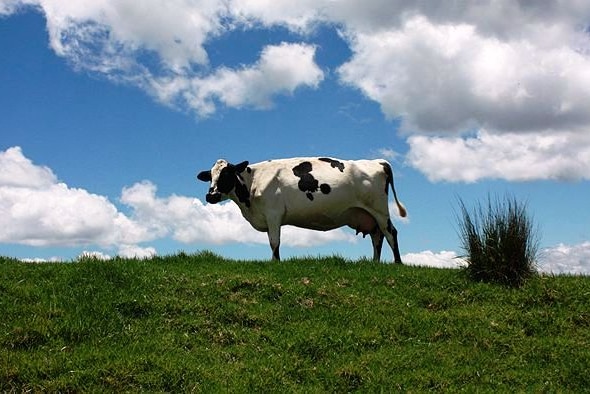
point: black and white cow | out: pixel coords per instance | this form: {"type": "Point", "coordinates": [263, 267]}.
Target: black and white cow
{"type": "Point", "coordinates": [314, 193]}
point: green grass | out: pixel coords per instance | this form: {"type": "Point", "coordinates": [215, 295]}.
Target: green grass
{"type": "Point", "coordinates": [201, 323]}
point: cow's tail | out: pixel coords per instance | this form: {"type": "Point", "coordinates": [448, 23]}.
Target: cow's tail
{"type": "Point", "coordinates": [402, 210]}
{"type": "Point", "coordinates": [389, 172]}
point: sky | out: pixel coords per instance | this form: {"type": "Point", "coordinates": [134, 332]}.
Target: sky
{"type": "Point", "coordinates": [109, 108]}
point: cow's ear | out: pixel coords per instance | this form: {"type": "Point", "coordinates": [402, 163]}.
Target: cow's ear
{"type": "Point", "coordinates": [204, 176]}
{"type": "Point", "coordinates": [241, 167]}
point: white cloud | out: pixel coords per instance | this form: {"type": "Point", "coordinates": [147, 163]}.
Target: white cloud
{"type": "Point", "coordinates": [280, 70]}
{"type": "Point", "coordinates": [8, 7]}
{"type": "Point", "coordinates": [387, 153]}
{"type": "Point", "coordinates": [159, 45]}
{"type": "Point", "coordinates": [443, 259]}
{"type": "Point", "coordinates": [521, 78]}
{"type": "Point", "coordinates": [18, 171]}
{"type": "Point", "coordinates": [511, 156]}
{"type": "Point", "coordinates": [136, 252]}
{"type": "Point", "coordinates": [298, 16]}
{"type": "Point", "coordinates": [566, 259]}
{"type": "Point", "coordinates": [108, 35]}
{"type": "Point", "coordinates": [444, 69]}
{"type": "Point", "coordinates": [188, 220]}
{"type": "Point", "coordinates": [451, 78]}
{"type": "Point", "coordinates": [36, 209]}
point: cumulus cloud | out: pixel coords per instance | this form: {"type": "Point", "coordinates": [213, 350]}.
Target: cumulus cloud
{"type": "Point", "coordinates": [36, 209]}
{"type": "Point", "coordinates": [159, 45]}
{"type": "Point", "coordinates": [517, 74]}
{"type": "Point", "coordinates": [280, 70]}
{"type": "Point", "coordinates": [451, 78]}
{"type": "Point", "coordinates": [18, 171]}
{"type": "Point", "coordinates": [504, 69]}
{"type": "Point", "coordinates": [511, 156]}
{"type": "Point", "coordinates": [442, 259]}
{"type": "Point", "coordinates": [108, 35]}
{"type": "Point", "coordinates": [8, 7]}
{"type": "Point", "coordinates": [188, 220]}
{"type": "Point", "coordinates": [298, 16]}
{"type": "Point", "coordinates": [566, 259]}
{"type": "Point", "coordinates": [136, 252]}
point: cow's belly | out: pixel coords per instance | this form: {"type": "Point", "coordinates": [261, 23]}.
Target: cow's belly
{"type": "Point", "coordinates": [356, 218]}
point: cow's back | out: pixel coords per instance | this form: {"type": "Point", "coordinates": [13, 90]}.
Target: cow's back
{"type": "Point", "coordinates": [317, 192]}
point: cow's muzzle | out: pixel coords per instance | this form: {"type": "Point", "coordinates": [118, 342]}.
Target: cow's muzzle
{"type": "Point", "coordinates": [213, 198]}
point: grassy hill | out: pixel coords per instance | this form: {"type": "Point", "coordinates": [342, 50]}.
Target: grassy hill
{"type": "Point", "coordinates": [201, 323]}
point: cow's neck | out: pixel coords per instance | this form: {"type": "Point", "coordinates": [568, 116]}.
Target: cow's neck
{"type": "Point", "coordinates": [241, 192]}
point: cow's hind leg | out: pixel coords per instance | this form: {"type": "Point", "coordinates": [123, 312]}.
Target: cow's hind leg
{"type": "Point", "coordinates": [390, 233]}
{"type": "Point", "coordinates": [274, 238]}
{"type": "Point", "coordinates": [377, 239]}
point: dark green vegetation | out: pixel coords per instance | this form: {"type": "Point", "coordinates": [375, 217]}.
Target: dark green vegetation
{"type": "Point", "coordinates": [201, 323]}
{"type": "Point", "coordinates": [500, 241]}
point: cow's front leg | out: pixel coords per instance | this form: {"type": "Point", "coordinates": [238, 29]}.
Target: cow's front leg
{"type": "Point", "coordinates": [274, 238]}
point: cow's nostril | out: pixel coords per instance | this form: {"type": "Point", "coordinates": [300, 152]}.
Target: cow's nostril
{"type": "Point", "coordinates": [213, 198]}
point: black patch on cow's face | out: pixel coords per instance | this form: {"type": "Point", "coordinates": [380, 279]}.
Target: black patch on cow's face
{"type": "Point", "coordinates": [228, 178]}
{"type": "Point", "coordinates": [333, 163]}
{"type": "Point", "coordinates": [307, 183]}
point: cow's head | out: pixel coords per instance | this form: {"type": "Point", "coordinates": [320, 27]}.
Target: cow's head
{"type": "Point", "coordinates": [224, 178]}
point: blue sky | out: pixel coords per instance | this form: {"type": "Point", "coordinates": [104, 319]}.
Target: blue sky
{"type": "Point", "coordinates": [109, 110]}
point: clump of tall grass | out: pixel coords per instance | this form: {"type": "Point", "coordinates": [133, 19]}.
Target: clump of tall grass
{"type": "Point", "coordinates": [500, 241]}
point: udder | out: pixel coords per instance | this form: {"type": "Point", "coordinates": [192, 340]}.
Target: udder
{"type": "Point", "coordinates": [361, 220]}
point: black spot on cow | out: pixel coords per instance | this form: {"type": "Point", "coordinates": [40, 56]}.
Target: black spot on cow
{"type": "Point", "coordinates": [242, 193]}
{"type": "Point", "coordinates": [333, 163]}
{"type": "Point", "coordinates": [307, 183]}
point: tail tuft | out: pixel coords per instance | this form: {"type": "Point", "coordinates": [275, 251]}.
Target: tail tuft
{"type": "Point", "coordinates": [402, 210]}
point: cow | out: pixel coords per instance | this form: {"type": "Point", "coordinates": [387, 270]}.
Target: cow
{"type": "Point", "coordinates": [313, 193]}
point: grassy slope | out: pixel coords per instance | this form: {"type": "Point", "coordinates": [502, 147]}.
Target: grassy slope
{"type": "Point", "coordinates": [205, 324]}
